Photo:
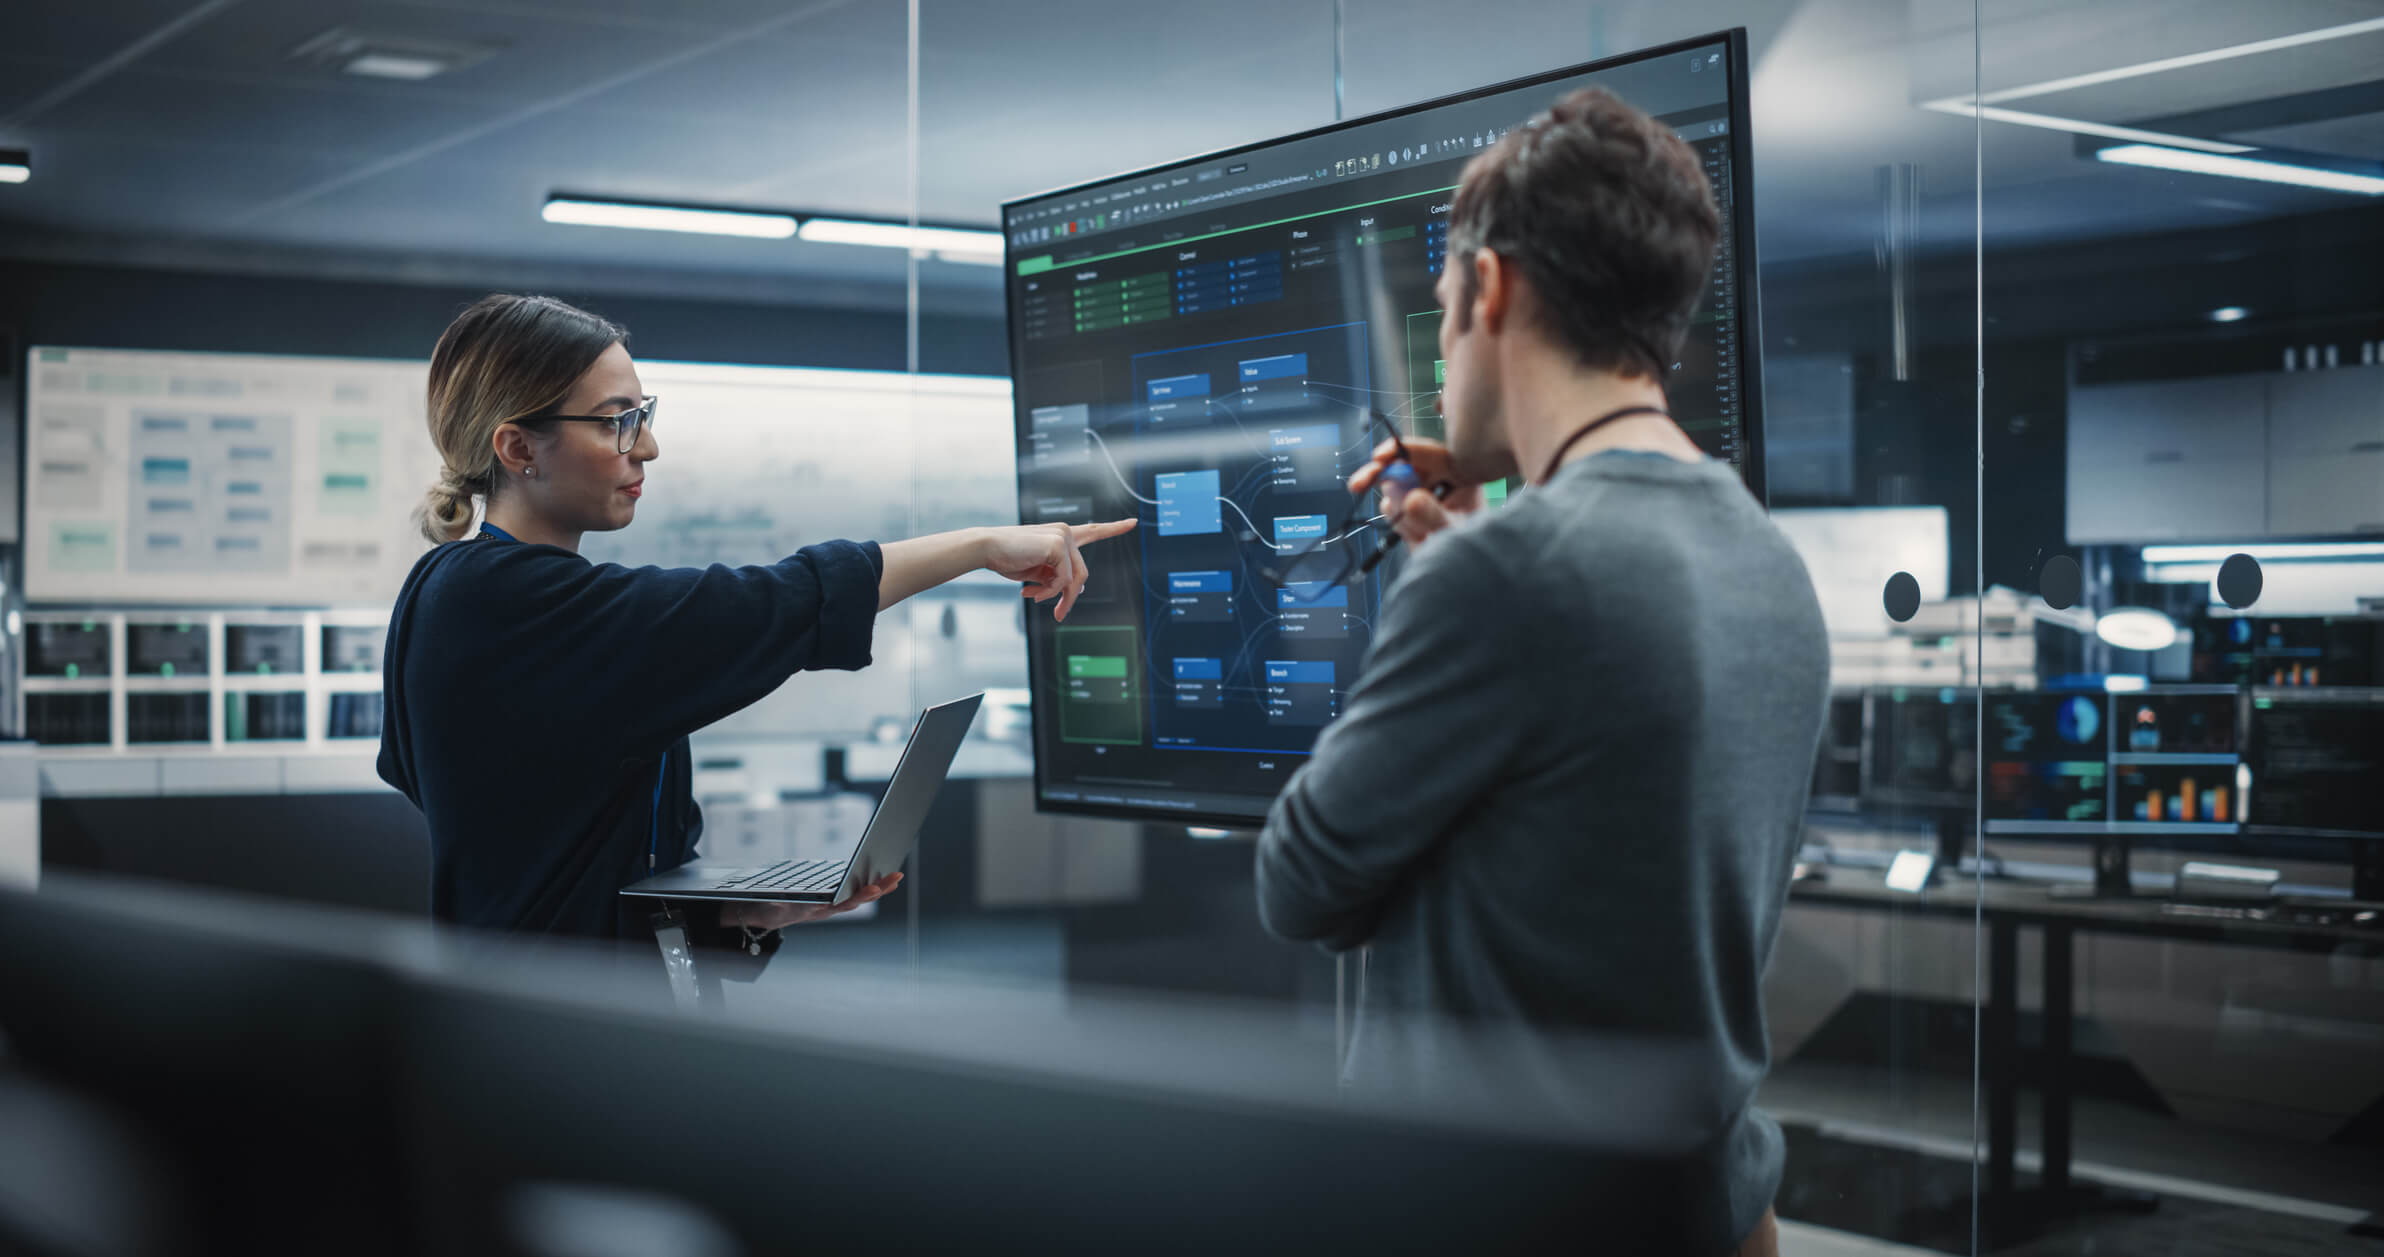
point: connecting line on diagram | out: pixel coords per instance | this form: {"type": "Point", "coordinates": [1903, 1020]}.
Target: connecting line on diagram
{"type": "Point", "coordinates": [1277, 547]}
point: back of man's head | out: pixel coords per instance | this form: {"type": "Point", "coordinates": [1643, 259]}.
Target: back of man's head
{"type": "Point", "coordinates": [1609, 219]}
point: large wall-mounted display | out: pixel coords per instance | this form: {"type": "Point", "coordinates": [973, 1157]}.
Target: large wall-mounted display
{"type": "Point", "coordinates": [219, 479]}
{"type": "Point", "coordinates": [1199, 345]}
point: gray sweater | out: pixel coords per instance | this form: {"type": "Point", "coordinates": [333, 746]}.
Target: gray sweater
{"type": "Point", "coordinates": [1561, 805]}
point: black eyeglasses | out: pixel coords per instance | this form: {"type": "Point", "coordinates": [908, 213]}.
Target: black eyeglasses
{"type": "Point", "coordinates": [1310, 573]}
{"type": "Point", "coordinates": [628, 425]}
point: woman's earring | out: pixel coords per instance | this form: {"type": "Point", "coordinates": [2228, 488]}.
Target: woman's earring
{"type": "Point", "coordinates": [531, 472]}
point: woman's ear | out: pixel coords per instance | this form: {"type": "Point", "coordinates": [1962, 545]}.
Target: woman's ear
{"type": "Point", "coordinates": [514, 450]}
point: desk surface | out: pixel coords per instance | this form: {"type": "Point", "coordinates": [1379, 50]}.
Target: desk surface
{"type": "Point", "coordinates": [2029, 903]}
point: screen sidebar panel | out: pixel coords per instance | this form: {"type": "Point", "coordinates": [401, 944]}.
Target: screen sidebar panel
{"type": "Point", "coordinates": [1195, 346]}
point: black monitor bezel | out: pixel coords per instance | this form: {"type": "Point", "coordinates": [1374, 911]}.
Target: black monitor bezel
{"type": "Point", "coordinates": [1733, 42]}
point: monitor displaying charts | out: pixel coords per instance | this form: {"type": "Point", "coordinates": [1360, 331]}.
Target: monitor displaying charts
{"type": "Point", "coordinates": [1197, 345]}
{"type": "Point", "coordinates": [2162, 760]}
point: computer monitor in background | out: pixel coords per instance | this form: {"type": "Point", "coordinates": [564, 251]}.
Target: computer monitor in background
{"type": "Point", "coordinates": [2289, 651]}
{"type": "Point", "coordinates": [2315, 763]}
{"type": "Point", "coordinates": [1922, 751]}
{"type": "Point", "coordinates": [66, 648]}
{"type": "Point", "coordinates": [2048, 763]}
{"type": "Point", "coordinates": [1197, 345]}
{"type": "Point", "coordinates": [1837, 762]}
{"type": "Point", "coordinates": [169, 648]}
{"type": "Point", "coordinates": [2092, 764]}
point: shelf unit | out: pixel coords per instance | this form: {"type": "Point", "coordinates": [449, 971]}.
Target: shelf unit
{"type": "Point", "coordinates": [266, 696]}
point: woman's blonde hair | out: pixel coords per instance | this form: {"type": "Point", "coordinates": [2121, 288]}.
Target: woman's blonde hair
{"type": "Point", "coordinates": [503, 360]}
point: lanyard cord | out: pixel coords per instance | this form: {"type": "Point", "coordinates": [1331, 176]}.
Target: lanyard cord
{"type": "Point", "coordinates": [1593, 425]}
{"type": "Point", "coordinates": [654, 827]}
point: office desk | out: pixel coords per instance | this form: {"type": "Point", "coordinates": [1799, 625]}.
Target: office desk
{"type": "Point", "coordinates": [2004, 907]}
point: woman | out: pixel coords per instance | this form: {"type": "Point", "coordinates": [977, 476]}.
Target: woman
{"type": "Point", "coordinates": [537, 704]}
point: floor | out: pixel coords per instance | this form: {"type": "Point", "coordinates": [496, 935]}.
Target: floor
{"type": "Point", "coordinates": [1889, 1157]}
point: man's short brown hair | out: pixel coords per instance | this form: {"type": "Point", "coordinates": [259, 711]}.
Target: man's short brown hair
{"type": "Point", "coordinates": [1609, 216]}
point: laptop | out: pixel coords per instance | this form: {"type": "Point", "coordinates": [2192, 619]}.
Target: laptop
{"type": "Point", "coordinates": [893, 830]}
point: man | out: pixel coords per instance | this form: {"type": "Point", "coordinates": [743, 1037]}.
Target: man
{"type": "Point", "coordinates": [1564, 798]}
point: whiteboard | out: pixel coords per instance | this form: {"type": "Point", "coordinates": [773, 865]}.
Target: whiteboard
{"type": "Point", "coordinates": [221, 479]}
{"type": "Point", "coordinates": [755, 463]}
{"type": "Point", "coordinates": [758, 462]}
{"type": "Point", "coordinates": [232, 479]}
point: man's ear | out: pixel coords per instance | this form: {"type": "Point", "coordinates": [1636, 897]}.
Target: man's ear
{"type": "Point", "coordinates": [1493, 290]}
{"type": "Point", "coordinates": [513, 447]}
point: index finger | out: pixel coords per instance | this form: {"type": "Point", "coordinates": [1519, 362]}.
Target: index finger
{"type": "Point", "coordinates": [1082, 533]}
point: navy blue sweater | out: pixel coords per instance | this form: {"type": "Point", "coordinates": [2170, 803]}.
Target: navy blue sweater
{"type": "Point", "coordinates": [538, 707]}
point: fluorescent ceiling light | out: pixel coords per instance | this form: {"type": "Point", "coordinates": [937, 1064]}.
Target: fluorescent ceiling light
{"type": "Point", "coordinates": [1960, 106]}
{"type": "Point", "coordinates": [16, 165]}
{"type": "Point", "coordinates": [942, 240]}
{"type": "Point", "coordinates": [2190, 59]}
{"type": "Point", "coordinates": [2137, 628]}
{"type": "Point", "coordinates": [2266, 553]}
{"type": "Point", "coordinates": [2163, 158]}
{"type": "Point", "coordinates": [713, 222]}
{"type": "Point", "coordinates": [395, 65]}
{"type": "Point", "coordinates": [2228, 314]}
{"type": "Point", "coordinates": [969, 259]}
{"type": "Point", "coordinates": [1984, 104]}
{"type": "Point", "coordinates": [2122, 683]}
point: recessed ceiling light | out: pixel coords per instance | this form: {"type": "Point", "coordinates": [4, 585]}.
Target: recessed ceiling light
{"type": "Point", "coordinates": [395, 65]}
{"type": "Point", "coordinates": [584, 212]}
{"type": "Point", "coordinates": [16, 165]}
{"type": "Point", "coordinates": [953, 244]}
{"type": "Point", "coordinates": [2228, 314]}
{"type": "Point", "coordinates": [2164, 158]}
{"type": "Point", "coordinates": [375, 55]}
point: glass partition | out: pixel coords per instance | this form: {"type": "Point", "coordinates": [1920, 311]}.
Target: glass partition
{"type": "Point", "coordinates": [2184, 451]}
{"type": "Point", "coordinates": [1865, 226]}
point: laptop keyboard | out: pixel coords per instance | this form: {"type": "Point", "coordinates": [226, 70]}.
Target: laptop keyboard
{"type": "Point", "coordinates": [789, 875]}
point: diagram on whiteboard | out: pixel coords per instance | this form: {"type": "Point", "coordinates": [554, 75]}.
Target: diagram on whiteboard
{"type": "Point", "coordinates": [221, 478]}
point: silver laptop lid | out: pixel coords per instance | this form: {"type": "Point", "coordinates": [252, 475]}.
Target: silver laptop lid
{"type": "Point", "coordinates": [918, 777]}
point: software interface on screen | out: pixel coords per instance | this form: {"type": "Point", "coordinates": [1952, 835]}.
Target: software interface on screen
{"type": "Point", "coordinates": [1196, 346]}
{"type": "Point", "coordinates": [2163, 760]}
{"type": "Point", "coordinates": [2315, 759]}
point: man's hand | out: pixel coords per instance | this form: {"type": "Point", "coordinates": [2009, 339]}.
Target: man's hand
{"type": "Point", "coordinates": [1048, 558]}
{"type": "Point", "coordinates": [771, 916]}
{"type": "Point", "coordinates": [1415, 513]}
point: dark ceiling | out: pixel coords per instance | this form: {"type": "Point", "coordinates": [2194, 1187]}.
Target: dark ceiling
{"type": "Point", "coordinates": [183, 132]}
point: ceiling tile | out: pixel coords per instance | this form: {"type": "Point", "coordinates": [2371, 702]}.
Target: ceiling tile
{"type": "Point", "coordinates": [347, 122]}
{"type": "Point", "coordinates": [25, 79]}
{"type": "Point", "coordinates": [2360, 135]}
{"type": "Point", "coordinates": [152, 189]}
{"type": "Point", "coordinates": [2307, 68]}
{"type": "Point", "coordinates": [83, 31]}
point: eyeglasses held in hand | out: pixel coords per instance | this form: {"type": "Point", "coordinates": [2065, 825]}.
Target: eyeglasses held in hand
{"type": "Point", "coordinates": [1308, 573]}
